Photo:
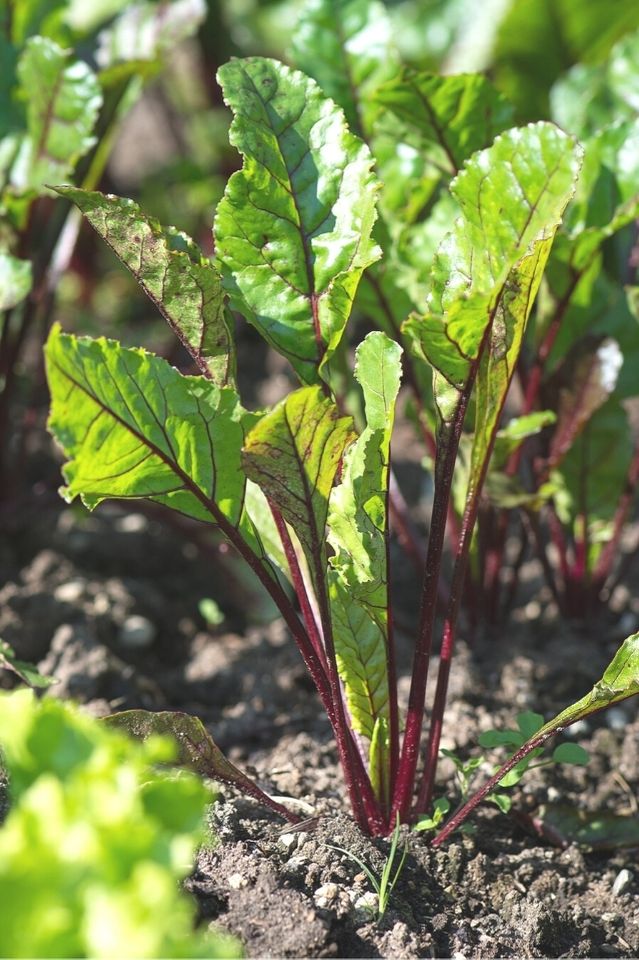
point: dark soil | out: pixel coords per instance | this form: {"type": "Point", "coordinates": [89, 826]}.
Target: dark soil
{"type": "Point", "coordinates": [109, 605]}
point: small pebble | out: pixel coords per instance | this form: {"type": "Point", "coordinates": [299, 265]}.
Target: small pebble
{"type": "Point", "coordinates": [132, 523]}
{"type": "Point", "coordinates": [367, 904]}
{"type": "Point", "coordinates": [69, 592]}
{"type": "Point", "coordinates": [288, 841]}
{"type": "Point", "coordinates": [622, 882]}
{"type": "Point", "coordinates": [325, 895]}
{"type": "Point", "coordinates": [137, 632]}
{"type": "Point", "coordinates": [236, 881]}
{"type": "Point", "coordinates": [101, 603]}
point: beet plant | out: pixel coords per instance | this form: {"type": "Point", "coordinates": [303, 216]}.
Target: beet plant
{"type": "Point", "coordinates": [299, 492]}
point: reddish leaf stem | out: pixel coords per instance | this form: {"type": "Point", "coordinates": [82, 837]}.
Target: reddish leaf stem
{"type": "Point", "coordinates": [300, 586]}
{"type": "Point", "coordinates": [444, 469]}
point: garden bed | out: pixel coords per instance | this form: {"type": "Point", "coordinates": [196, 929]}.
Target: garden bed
{"type": "Point", "coordinates": [76, 588]}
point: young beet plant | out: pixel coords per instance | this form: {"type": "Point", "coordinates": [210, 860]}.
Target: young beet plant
{"type": "Point", "coordinates": [299, 494]}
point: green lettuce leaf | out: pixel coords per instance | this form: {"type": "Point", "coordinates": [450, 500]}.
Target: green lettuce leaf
{"type": "Point", "coordinates": [293, 229]}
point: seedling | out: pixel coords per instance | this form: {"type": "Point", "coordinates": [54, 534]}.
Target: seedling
{"type": "Point", "coordinates": [385, 883]}
{"type": "Point", "coordinates": [301, 495]}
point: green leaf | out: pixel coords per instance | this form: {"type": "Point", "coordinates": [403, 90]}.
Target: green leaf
{"type": "Point", "coordinates": [357, 531]}
{"type": "Point", "coordinates": [512, 778]}
{"type": "Point", "coordinates": [571, 753]}
{"type": "Point", "coordinates": [598, 830]}
{"type": "Point", "coordinates": [587, 378]}
{"type": "Point", "coordinates": [29, 17]}
{"type": "Point", "coordinates": [589, 96]}
{"type": "Point", "coordinates": [538, 39]}
{"type": "Point", "coordinates": [500, 738]}
{"type": "Point", "coordinates": [602, 454]}
{"type": "Point", "coordinates": [132, 426]}
{"type": "Point", "coordinates": [510, 437]}
{"type": "Point", "coordinates": [63, 100]}
{"type": "Point", "coordinates": [346, 46]}
{"type": "Point", "coordinates": [447, 118]}
{"type": "Point", "coordinates": [185, 287]}
{"type": "Point", "coordinates": [147, 31]}
{"type": "Point", "coordinates": [196, 748]}
{"type": "Point", "coordinates": [529, 722]}
{"type": "Point", "coordinates": [15, 280]}
{"type": "Point", "coordinates": [97, 841]}
{"type": "Point", "coordinates": [487, 271]}
{"type": "Point", "coordinates": [293, 229]}
{"type": "Point", "coordinates": [26, 671]}
{"type": "Point", "coordinates": [293, 454]}
{"type": "Point", "coordinates": [501, 800]}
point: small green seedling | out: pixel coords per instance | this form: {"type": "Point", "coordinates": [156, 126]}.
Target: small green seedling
{"type": "Point", "coordinates": [427, 823]}
{"type": "Point", "coordinates": [385, 883]}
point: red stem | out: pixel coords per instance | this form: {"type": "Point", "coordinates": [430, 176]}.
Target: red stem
{"type": "Point", "coordinates": [299, 586]}
{"type": "Point", "coordinates": [444, 468]}
{"type": "Point", "coordinates": [448, 641]}
{"type": "Point", "coordinates": [465, 811]}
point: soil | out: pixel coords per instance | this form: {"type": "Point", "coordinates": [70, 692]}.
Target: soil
{"type": "Point", "coordinates": [82, 593]}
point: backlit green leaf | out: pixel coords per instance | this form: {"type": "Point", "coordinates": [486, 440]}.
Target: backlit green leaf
{"type": "Point", "coordinates": [587, 379]}
{"type": "Point", "coordinates": [346, 45]}
{"type": "Point", "coordinates": [26, 671]}
{"type": "Point", "coordinates": [185, 287]}
{"type": "Point", "coordinates": [15, 280]}
{"type": "Point", "coordinates": [293, 229]}
{"type": "Point", "coordinates": [487, 271]}
{"type": "Point", "coordinates": [146, 31]}
{"type": "Point", "coordinates": [293, 454]}
{"type": "Point", "coordinates": [357, 532]}
{"type": "Point", "coordinates": [63, 99]}
{"type": "Point", "coordinates": [445, 117]}
{"type": "Point", "coordinates": [132, 426]}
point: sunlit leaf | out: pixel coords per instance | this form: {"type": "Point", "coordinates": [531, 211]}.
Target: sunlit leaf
{"type": "Point", "coordinates": [358, 533]}
{"type": "Point", "coordinates": [132, 426]}
{"type": "Point", "coordinates": [63, 99]}
{"type": "Point", "coordinates": [293, 454]}
{"type": "Point", "coordinates": [346, 46]}
{"type": "Point", "coordinates": [26, 671]}
{"type": "Point", "coordinates": [446, 118]}
{"type": "Point", "coordinates": [185, 287]}
{"type": "Point", "coordinates": [293, 230]}
{"type": "Point", "coordinates": [15, 280]}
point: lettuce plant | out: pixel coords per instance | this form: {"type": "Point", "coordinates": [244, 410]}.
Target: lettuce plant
{"type": "Point", "coordinates": [301, 494]}
{"type": "Point", "coordinates": [96, 840]}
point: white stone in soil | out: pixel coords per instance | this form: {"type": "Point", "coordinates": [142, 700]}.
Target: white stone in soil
{"type": "Point", "coordinates": [616, 718]}
{"type": "Point", "coordinates": [367, 904]}
{"type": "Point", "coordinates": [288, 841]}
{"type": "Point", "coordinates": [236, 881]}
{"type": "Point", "coordinates": [70, 592]}
{"type": "Point", "coordinates": [326, 895]}
{"type": "Point", "coordinates": [137, 632]}
{"type": "Point", "coordinates": [622, 882]}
